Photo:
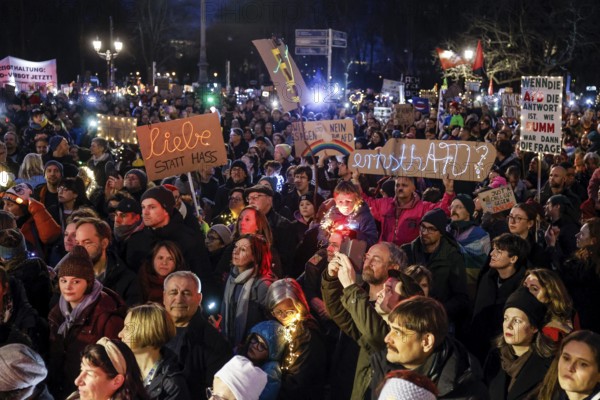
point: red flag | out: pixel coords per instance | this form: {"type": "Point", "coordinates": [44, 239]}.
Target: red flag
{"type": "Point", "coordinates": [449, 59]}
{"type": "Point", "coordinates": [478, 62]}
{"type": "Point", "coordinates": [491, 88]}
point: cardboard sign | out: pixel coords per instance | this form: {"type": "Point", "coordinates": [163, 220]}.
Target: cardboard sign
{"type": "Point", "coordinates": [510, 105]}
{"type": "Point", "coordinates": [404, 116]}
{"type": "Point", "coordinates": [287, 79]}
{"type": "Point", "coordinates": [497, 200]}
{"type": "Point", "coordinates": [383, 114]}
{"type": "Point", "coordinates": [541, 114]}
{"type": "Point", "coordinates": [182, 145]}
{"type": "Point", "coordinates": [436, 159]}
{"type": "Point", "coordinates": [117, 129]}
{"type": "Point", "coordinates": [324, 137]}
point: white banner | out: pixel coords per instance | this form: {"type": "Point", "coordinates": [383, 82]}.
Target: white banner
{"type": "Point", "coordinates": [27, 75]}
{"type": "Point", "coordinates": [541, 114]}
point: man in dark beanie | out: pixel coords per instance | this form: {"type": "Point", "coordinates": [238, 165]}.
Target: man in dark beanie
{"type": "Point", "coordinates": [162, 223]}
{"type": "Point", "coordinates": [238, 177]}
{"type": "Point", "coordinates": [440, 253]}
{"type": "Point", "coordinates": [474, 240]}
{"type": "Point", "coordinates": [59, 151]}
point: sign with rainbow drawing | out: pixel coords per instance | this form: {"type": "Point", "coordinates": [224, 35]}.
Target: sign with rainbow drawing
{"type": "Point", "coordinates": [435, 159]}
{"type": "Point", "coordinates": [328, 138]}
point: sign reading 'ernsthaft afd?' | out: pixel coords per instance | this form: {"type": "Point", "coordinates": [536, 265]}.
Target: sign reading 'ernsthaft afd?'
{"type": "Point", "coordinates": [541, 114]}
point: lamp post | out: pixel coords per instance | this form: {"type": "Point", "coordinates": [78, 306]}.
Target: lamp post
{"type": "Point", "coordinates": [109, 56]}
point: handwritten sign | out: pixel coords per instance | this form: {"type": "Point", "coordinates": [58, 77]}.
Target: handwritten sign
{"type": "Point", "coordinates": [404, 116]}
{"type": "Point", "coordinates": [117, 129]}
{"type": "Point", "coordinates": [383, 114]}
{"type": "Point", "coordinates": [541, 114]}
{"type": "Point", "coordinates": [510, 105]}
{"type": "Point", "coordinates": [326, 137]}
{"type": "Point", "coordinates": [460, 160]}
{"type": "Point", "coordinates": [182, 145]}
{"type": "Point", "coordinates": [497, 200]}
{"type": "Point", "coordinates": [287, 79]}
{"type": "Point", "coordinates": [392, 88]}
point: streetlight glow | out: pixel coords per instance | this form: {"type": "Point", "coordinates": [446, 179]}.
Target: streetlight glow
{"type": "Point", "coordinates": [469, 54]}
{"type": "Point", "coordinates": [97, 44]}
{"type": "Point", "coordinates": [118, 45]}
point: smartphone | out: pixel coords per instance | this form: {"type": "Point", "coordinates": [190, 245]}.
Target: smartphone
{"type": "Point", "coordinates": [355, 250]}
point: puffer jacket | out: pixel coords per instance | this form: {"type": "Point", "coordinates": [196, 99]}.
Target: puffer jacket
{"type": "Point", "coordinates": [272, 332]}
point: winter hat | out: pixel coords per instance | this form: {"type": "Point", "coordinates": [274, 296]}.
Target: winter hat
{"type": "Point", "coordinates": [273, 333]}
{"type": "Point", "coordinates": [401, 389]}
{"type": "Point", "coordinates": [141, 176]}
{"type": "Point", "coordinates": [223, 232]}
{"type": "Point", "coordinates": [436, 217]}
{"type": "Point", "coordinates": [162, 195]}
{"type": "Point", "coordinates": [18, 194]}
{"type": "Point", "coordinates": [244, 379]}
{"type": "Point", "coordinates": [172, 188]}
{"type": "Point", "coordinates": [271, 180]}
{"type": "Point", "coordinates": [240, 164]}
{"type": "Point", "coordinates": [12, 243]}
{"type": "Point", "coordinates": [77, 263]}
{"type": "Point", "coordinates": [259, 189]}
{"type": "Point", "coordinates": [56, 164]}
{"type": "Point", "coordinates": [498, 181]}
{"type": "Point", "coordinates": [183, 186]}
{"type": "Point", "coordinates": [467, 202]}
{"type": "Point", "coordinates": [128, 205]}
{"type": "Point", "coordinates": [54, 142]}
{"type": "Point", "coordinates": [310, 196]}
{"type": "Point", "coordinates": [285, 149]}
{"type": "Point", "coordinates": [526, 302]}
{"type": "Point", "coordinates": [20, 368]}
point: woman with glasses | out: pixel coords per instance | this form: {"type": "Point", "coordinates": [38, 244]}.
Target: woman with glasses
{"type": "Point", "coordinates": [165, 258]}
{"type": "Point", "coordinates": [244, 300]}
{"type": "Point", "coordinates": [305, 356]}
{"type": "Point", "coordinates": [522, 222]}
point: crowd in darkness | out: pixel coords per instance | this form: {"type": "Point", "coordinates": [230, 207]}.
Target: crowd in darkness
{"type": "Point", "coordinates": [292, 277]}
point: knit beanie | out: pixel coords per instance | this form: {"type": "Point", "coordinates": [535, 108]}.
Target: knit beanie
{"type": "Point", "coordinates": [240, 164]}
{"type": "Point", "coordinates": [77, 263]}
{"type": "Point", "coordinates": [271, 180]}
{"type": "Point", "coordinates": [12, 243]}
{"type": "Point", "coordinates": [20, 368]}
{"type": "Point", "coordinates": [285, 149]}
{"type": "Point", "coordinates": [467, 202]}
{"type": "Point", "coordinates": [526, 302]}
{"type": "Point", "coordinates": [244, 379]}
{"type": "Point", "coordinates": [54, 142]}
{"type": "Point", "coordinates": [223, 232]}
{"type": "Point", "coordinates": [436, 217]}
{"type": "Point", "coordinates": [141, 176]}
{"type": "Point", "coordinates": [162, 195]}
{"type": "Point", "coordinates": [56, 164]}
{"type": "Point", "coordinates": [401, 389]}
{"type": "Point", "coordinates": [310, 196]}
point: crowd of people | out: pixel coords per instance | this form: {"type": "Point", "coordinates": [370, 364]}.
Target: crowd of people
{"type": "Point", "coordinates": [293, 277]}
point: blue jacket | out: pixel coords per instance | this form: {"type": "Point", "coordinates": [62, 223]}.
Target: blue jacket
{"type": "Point", "coordinates": [272, 332]}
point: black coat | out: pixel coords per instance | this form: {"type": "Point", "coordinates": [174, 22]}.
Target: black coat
{"type": "Point", "coordinates": [456, 373]}
{"type": "Point", "coordinates": [33, 273]}
{"type": "Point", "coordinates": [168, 382]}
{"type": "Point", "coordinates": [526, 383]}
{"type": "Point", "coordinates": [121, 279]}
{"type": "Point", "coordinates": [201, 351]}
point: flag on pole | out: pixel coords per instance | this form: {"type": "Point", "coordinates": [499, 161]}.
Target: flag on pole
{"type": "Point", "coordinates": [478, 61]}
{"type": "Point", "coordinates": [491, 87]}
{"type": "Point", "coordinates": [449, 59]}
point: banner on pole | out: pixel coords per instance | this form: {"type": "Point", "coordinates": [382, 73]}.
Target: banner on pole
{"type": "Point", "coordinates": [541, 114]}
{"type": "Point", "coordinates": [23, 73]}
{"type": "Point", "coordinates": [497, 200]}
{"type": "Point", "coordinates": [436, 159]}
{"type": "Point", "coordinates": [324, 137]}
{"type": "Point", "coordinates": [182, 145]}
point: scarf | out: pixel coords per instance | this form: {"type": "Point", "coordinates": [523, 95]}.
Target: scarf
{"type": "Point", "coordinates": [7, 309]}
{"type": "Point", "coordinates": [511, 364]}
{"type": "Point", "coordinates": [124, 231]}
{"type": "Point", "coordinates": [72, 315]}
{"type": "Point", "coordinates": [235, 325]}
{"type": "Point", "coordinates": [103, 157]}
{"type": "Point", "coordinates": [461, 226]}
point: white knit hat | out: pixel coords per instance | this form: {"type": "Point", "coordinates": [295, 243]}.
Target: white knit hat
{"type": "Point", "coordinates": [244, 379]}
{"type": "Point", "coordinates": [401, 389]}
{"type": "Point", "coordinates": [20, 368]}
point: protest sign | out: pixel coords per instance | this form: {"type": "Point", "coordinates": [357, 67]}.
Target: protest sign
{"type": "Point", "coordinates": [510, 105]}
{"type": "Point", "coordinates": [394, 89]}
{"type": "Point", "coordinates": [412, 85]}
{"type": "Point", "coordinates": [382, 114]}
{"type": "Point", "coordinates": [23, 73]}
{"type": "Point", "coordinates": [497, 200]}
{"type": "Point", "coordinates": [182, 145]}
{"type": "Point", "coordinates": [323, 137]}
{"type": "Point", "coordinates": [117, 129]}
{"type": "Point", "coordinates": [287, 79]}
{"type": "Point", "coordinates": [404, 115]}
{"type": "Point", "coordinates": [421, 104]}
{"type": "Point", "coordinates": [436, 159]}
{"type": "Point", "coordinates": [541, 114]}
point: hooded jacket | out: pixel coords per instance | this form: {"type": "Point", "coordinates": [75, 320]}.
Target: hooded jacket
{"type": "Point", "coordinates": [272, 333]}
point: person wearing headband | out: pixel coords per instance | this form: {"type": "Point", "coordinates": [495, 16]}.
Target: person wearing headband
{"type": "Point", "coordinates": [109, 371]}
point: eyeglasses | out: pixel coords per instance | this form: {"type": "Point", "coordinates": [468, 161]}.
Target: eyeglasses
{"type": "Point", "coordinates": [283, 313]}
{"type": "Point", "coordinates": [63, 188]}
{"type": "Point", "coordinates": [254, 341]}
{"type": "Point", "coordinates": [516, 218]}
{"type": "Point", "coordinates": [427, 229]}
{"type": "Point", "coordinates": [256, 197]}
{"type": "Point", "coordinates": [211, 395]}
{"type": "Point", "coordinates": [236, 199]}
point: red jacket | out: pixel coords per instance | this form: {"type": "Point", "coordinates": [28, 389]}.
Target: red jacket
{"type": "Point", "coordinates": [102, 318]}
{"type": "Point", "coordinates": [405, 228]}
{"type": "Point", "coordinates": [40, 228]}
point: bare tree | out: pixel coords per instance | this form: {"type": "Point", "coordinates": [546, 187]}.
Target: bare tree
{"type": "Point", "coordinates": [153, 23]}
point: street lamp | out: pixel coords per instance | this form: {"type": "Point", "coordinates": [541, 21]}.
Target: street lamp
{"type": "Point", "coordinates": [469, 54]}
{"type": "Point", "coordinates": [109, 56]}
